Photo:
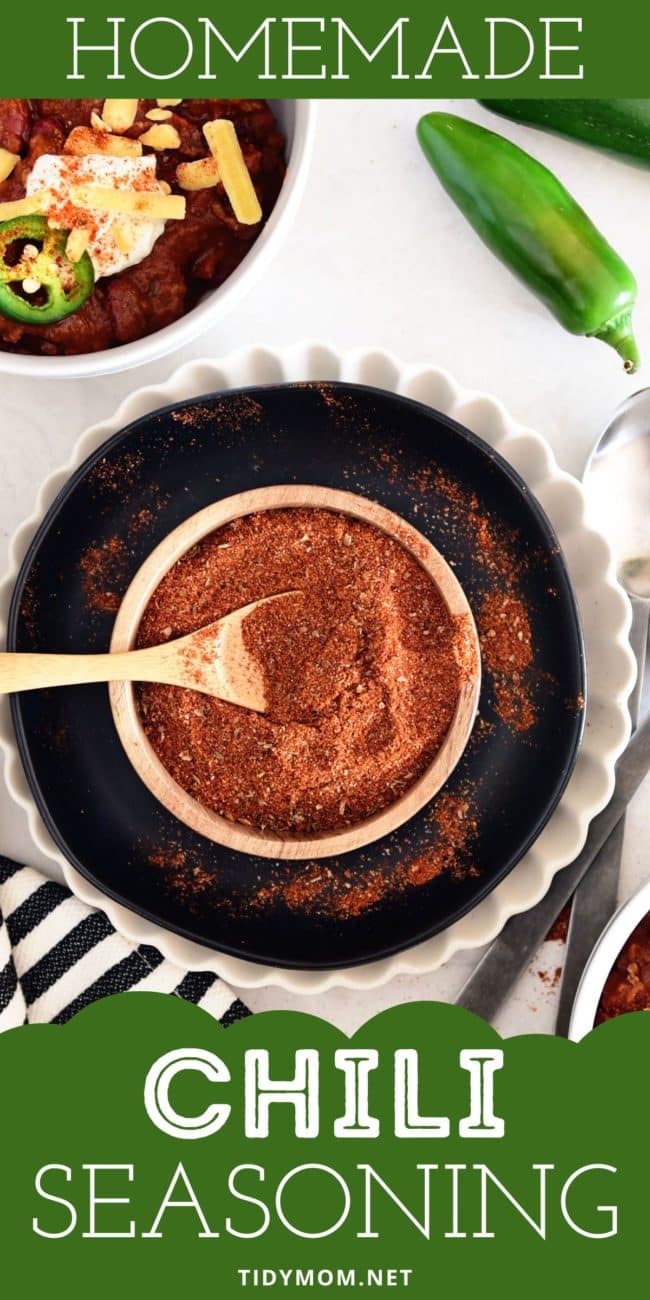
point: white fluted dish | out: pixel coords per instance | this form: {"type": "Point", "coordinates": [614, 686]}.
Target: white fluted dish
{"type": "Point", "coordinates": [604, 609]}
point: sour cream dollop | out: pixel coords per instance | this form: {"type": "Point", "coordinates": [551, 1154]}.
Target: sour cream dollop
{"type": "Point", "coordinates": [117, 241]}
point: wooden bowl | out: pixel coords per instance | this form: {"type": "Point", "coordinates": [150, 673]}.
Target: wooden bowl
{"type": "Point", "coordinates": [158, 780]}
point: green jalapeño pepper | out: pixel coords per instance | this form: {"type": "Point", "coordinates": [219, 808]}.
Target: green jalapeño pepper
{"type": "Point", "coordinates": [39, 285]}
{"type": "Point", "coordinates": [525, 215]}
{"type": "Point", "coordinates": [621, 126]}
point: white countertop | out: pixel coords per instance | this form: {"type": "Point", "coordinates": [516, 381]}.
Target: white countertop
{"type": "Point", "coordinates": [380, 256]}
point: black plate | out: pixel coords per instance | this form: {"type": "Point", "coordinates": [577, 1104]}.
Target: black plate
{"type": "Point", "coordinates": [144, 482]}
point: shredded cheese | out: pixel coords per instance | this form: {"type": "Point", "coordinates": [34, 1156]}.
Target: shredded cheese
{"type": "Point", "coordinates": [168, 103]}
{"type": "Point", "coordinates": [7, 163]}
{"type": "Point", "coordinates": [78, 241]}
{"type": "Point", "coordinates": [84, 140]}
{"type": "Point", "coordinates": [122, 236]}
{"type": "Point", "coordinates": [22, 207]}
{"type": "Point", "coordinates": [162, 136]}
{"type": "Point", "coordinates": [199, 175]}
{"type": "Point", "coordinates": [233, 172]}
{"type": "Point", "coordinates": [159, 115]}
{"type": "Point", "coordinates": [98, 122]}
{"type": "Point", "coordinates": [120, 114]}
{"type": "Point", "coordinates": [133, 203]}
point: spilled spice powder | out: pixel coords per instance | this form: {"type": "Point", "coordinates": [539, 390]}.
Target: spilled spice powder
{"type": "Point", "coordinates": [455, 827]}
{"type": "Point", "coordinates": [500, 561]}
{"type": "Point", "coordinates": [503, 621]}
{"type": "Point", "coordinates": [506, 654]}
{"type": "Point", "coordinates": [550, 979]}
{"type": "Point", "coordinates": [116, 474]}
{"type": "Point", "coordinates": [560, 927]}
{"type": "Point", "coordinates": [182, 873]}
{"type": "Point", "coordinates": [107, 566]}
{"type": "Point", "coordinates": [104, 569]}
{"type": "Point", "coordinates": [332, 889]}
{"type": "Point", "coordinates": [362, 672]}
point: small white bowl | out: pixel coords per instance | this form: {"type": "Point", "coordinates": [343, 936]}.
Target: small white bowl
{"type": "Point", "coordinates": [603, 958]}
{"type": "Point", "coordinates": [296, 118]}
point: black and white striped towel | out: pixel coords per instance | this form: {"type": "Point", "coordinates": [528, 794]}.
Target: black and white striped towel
{"type": "Point", "coordinates": [57, 955]}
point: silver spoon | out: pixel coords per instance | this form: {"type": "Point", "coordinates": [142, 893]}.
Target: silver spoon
{"type": "Point", "coordinates": [617, 480]}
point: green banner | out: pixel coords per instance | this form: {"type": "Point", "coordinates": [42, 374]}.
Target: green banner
{"type": "Point", "coordinates": [348, 50]}
{"type": "Point", "coordinates": [148, 1151]}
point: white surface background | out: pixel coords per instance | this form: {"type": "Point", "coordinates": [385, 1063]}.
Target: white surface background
{"type": "Point", "coordinates": [379, 256]}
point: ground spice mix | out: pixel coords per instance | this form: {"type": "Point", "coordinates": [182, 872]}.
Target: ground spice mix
{"type": "Point", "coordinates": [362, 671]}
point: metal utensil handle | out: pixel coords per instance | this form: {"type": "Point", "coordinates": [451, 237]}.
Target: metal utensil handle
{"type": "Point", "coordinates": [596, 897]}
{"type": "Point", "coordinates": [498, 970]}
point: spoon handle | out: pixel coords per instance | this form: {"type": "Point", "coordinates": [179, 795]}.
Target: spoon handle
{"type": "Point", "coordinates": [596, 897]}
{"type": "Point", "coordinates": [29, 672]}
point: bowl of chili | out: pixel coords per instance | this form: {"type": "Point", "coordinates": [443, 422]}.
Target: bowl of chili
{"type": "Point", "coordinates": [616, 979]}
{"type": "Point", "coordinates": [65, 314]}
{"type": "Point", "coordinates": [372, 673]}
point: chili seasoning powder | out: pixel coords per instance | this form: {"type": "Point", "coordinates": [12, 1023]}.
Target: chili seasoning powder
{"type": "Point", "coordinates": [362, 671]}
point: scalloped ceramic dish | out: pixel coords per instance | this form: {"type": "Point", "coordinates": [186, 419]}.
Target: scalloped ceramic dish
{"type": "Point", "coordinates": [130, 837]}
{"type": "Point", "coordinates": [605, 616]}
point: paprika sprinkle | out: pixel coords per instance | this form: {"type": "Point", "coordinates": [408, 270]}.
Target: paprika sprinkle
{"type": "Point", "coordinates": [362, 671]}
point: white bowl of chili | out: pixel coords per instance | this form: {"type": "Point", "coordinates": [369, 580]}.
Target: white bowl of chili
{"type": "Point", "coordinates": [296, 121]}
{"type": "Point", "coordinates": [598, 997]}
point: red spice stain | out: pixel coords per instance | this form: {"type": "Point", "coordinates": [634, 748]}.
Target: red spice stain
{"type": "Point", "coordinates": [141, 521]}
{"type": "Point", "coordinates": [184, 877]}
{"type": "Point", "coordinates": [30, 606]}
{"type": "Point", "coordinates": [507, 655]}
{"type": "Point", "coordinates": [116, 474]}
{"type": "Point", "coordinates": [560, 927]}
{"type": "Point", "coordinates": [107, 566]}
{"type": "Point", "coordinates": [240, 410]}
{"type": "Point", "coordinates": [455, 826]}
{"type": "Point", "coordinates": [168, 859]}
{"type": "Point", "coordinates": [104, 573]}
{"type": "Point", "coordinates": [500, 562]}
{"type": "Point", "coordinates": [331, 889]}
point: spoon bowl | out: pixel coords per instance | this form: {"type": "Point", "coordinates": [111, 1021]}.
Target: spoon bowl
{"type": "Point", "coordinates": [617, 480]}
{"type": "Point", "coordinates": [635, 576]}
{"type": "Point", "coordinates": [213, 660]}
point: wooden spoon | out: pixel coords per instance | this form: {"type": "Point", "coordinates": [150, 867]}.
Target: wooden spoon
{"type": "Point", "coordinates": [213, 660]}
